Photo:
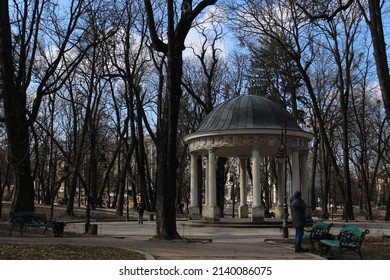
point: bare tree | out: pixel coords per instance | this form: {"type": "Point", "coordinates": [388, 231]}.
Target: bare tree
{"type": "Point", "coordinates": [372, 11]}
{"type": "Point", "coordinates": [203, 81]}
{"type": "Point", "coordinates": [341, 34]}
{"type": "Point", "coordinates": [375, 24]}
{"type": "Point", "coordinates": [285, 26]}
{"type": "Point", "coordinates": [25, 46]}
{"type": "Point", "coordinates": [177, 31]}
{"type": "Point", "coordinates": [373, 14]}
{"type": "Point", "coordinates": [369, 139]}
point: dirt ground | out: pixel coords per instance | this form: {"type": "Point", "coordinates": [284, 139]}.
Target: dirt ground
{"type": "Point", "coordinates": [60, 252]}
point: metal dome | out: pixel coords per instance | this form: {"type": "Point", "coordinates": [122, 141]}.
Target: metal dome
{"type": "Point", "coordinates": [248, 112]}
{"type": "Point", "coordinates": [239, 125]}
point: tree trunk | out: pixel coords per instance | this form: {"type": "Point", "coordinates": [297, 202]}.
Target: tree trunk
{"type": "Point", "coordinates": [387, 214]}
{"type": "Point", "coordinates": [140, 156]}
{"type": "Point", "coordinates": [14, 96]}
{"type": "Point", "coordinates": [378, 40]}
{"type": "Point", "coordinates": [166, 182]}
{"type": "Point", "coordinates": [313, 200]}
{"type": "Point", "coordinates": [167, 130]}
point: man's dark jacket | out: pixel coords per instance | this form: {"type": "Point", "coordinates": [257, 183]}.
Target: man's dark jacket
{"type": "Point", "coordinates": [298, 208]}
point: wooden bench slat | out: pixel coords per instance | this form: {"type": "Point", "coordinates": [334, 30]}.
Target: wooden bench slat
{"type": "Point", "coordinates": [350, 238]}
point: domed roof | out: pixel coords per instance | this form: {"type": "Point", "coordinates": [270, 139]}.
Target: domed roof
{"type": "Point", "coordinates": [248, 112]}
{"type": "Point", "coordinates": [245, 123]}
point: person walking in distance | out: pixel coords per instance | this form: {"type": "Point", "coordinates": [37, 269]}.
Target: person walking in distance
{"type": "Point", "coordinates": [140, 209]}
{"type": "Point", "coordinates": [298, 207]}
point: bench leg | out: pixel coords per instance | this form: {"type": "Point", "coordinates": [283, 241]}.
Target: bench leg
{"type": "Point", "coordinates": [325, 250]}
{"type": "Point", "coordinates": [312, 246]}
{"type": "Point", "coordinates": [360, 254]}
{"type": "Point", "coordinates": [341, 253]}
{"type": "Point", "coordinates": [20, 229]}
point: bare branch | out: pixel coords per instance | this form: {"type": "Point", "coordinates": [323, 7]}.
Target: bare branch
{"type": "Point", "coordinates": [327, 17]}
{"type": "Point", "coordinates": [157, 43]}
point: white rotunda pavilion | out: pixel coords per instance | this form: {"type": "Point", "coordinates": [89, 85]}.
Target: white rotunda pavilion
{"type": "Point", "coordinates": [248, 127]}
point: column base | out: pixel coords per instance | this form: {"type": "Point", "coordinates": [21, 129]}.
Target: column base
{"type": "Point", "coordinates": [243, 211]}
{"type": "Point", "coordinates": [194, 213]}
{"type": "Point", "coordinates": [211, 213]}
{"type": "Point", "coordinates": [279, 212]}
{"type": "Point", "coordinates": [257, 214]}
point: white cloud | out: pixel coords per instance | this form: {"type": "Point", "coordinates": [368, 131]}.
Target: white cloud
{"type": "Point", "coordinates": [211, 24]}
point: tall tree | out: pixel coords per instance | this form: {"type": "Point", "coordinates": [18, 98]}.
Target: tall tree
{"type": "Point", "coordinates": [373, 14]}
{"type": "Point", "coordinates": [341, 35]}
{"type": "Point", "coordinates": [203, 80]}
{"type": "Point", "coordinates": [135, 66]}
{"type": "Point", "coordinates": [24, 48]}
{"type": "Point", "coordinates": [285, 24]}
{"type": "Point", "coordinates": [375, 24]}
{"type": "Point", "coordinates": [177, 31]}
{"type": "Point", "coordinates": [372, 11]}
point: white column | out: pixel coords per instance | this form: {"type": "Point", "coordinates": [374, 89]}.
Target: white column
{"type": "Point", "coordinates": [257, 208]}
{"type": "Point", "coordinates": [305, 182]}
{"type": "Point", "coordinates": [243, 209]}
{"type": "Point", "coordinates": [211, 211]}
{"type": "Point", "coordinates": [256, 178]}
{"type": "Point", "coordinates": [206, 181]}
{"type": "Point", "coordinates": [194, 207]}
{"type": "Point", "coordinates": [212, 180]}
{"type": "Point", "coordinates": [281, 186]}
{"type": "Point", "coordinates": [296, 175]}
{"type": "Point", "coordinates": [194, 181]}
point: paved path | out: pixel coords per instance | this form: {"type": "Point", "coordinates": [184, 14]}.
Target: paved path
{"type": "Point", "coordinates": [206, 242]}
{"type": "Point", "coordinates": [226, 241]}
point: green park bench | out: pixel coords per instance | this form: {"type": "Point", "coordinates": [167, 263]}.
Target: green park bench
{"type": "Point", "coordinates": [29, 219]}
{"type": "Point", "coordinates": [350, 238]}
{"type": "Point", "coordinates": [319, 230]}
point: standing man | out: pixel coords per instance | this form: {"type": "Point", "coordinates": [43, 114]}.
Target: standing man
{"type": "Point", "coordinates": [141, 209]}
{"type": "Point", "coordinates": [298, 208]}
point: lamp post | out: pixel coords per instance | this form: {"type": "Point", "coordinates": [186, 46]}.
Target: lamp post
{"type": "Point", "coordinates": [233, 193]}
{"type": "Point", "coordinates": [88, 212]}
{"type": "Point", "coordinates": [282, 155]}
{"type": "Point", "coordinates": [127, 199]}
{"type": "Point", "coordinates": [101, 158]}
{"type": "Point", "coordinates": [88, 202]}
